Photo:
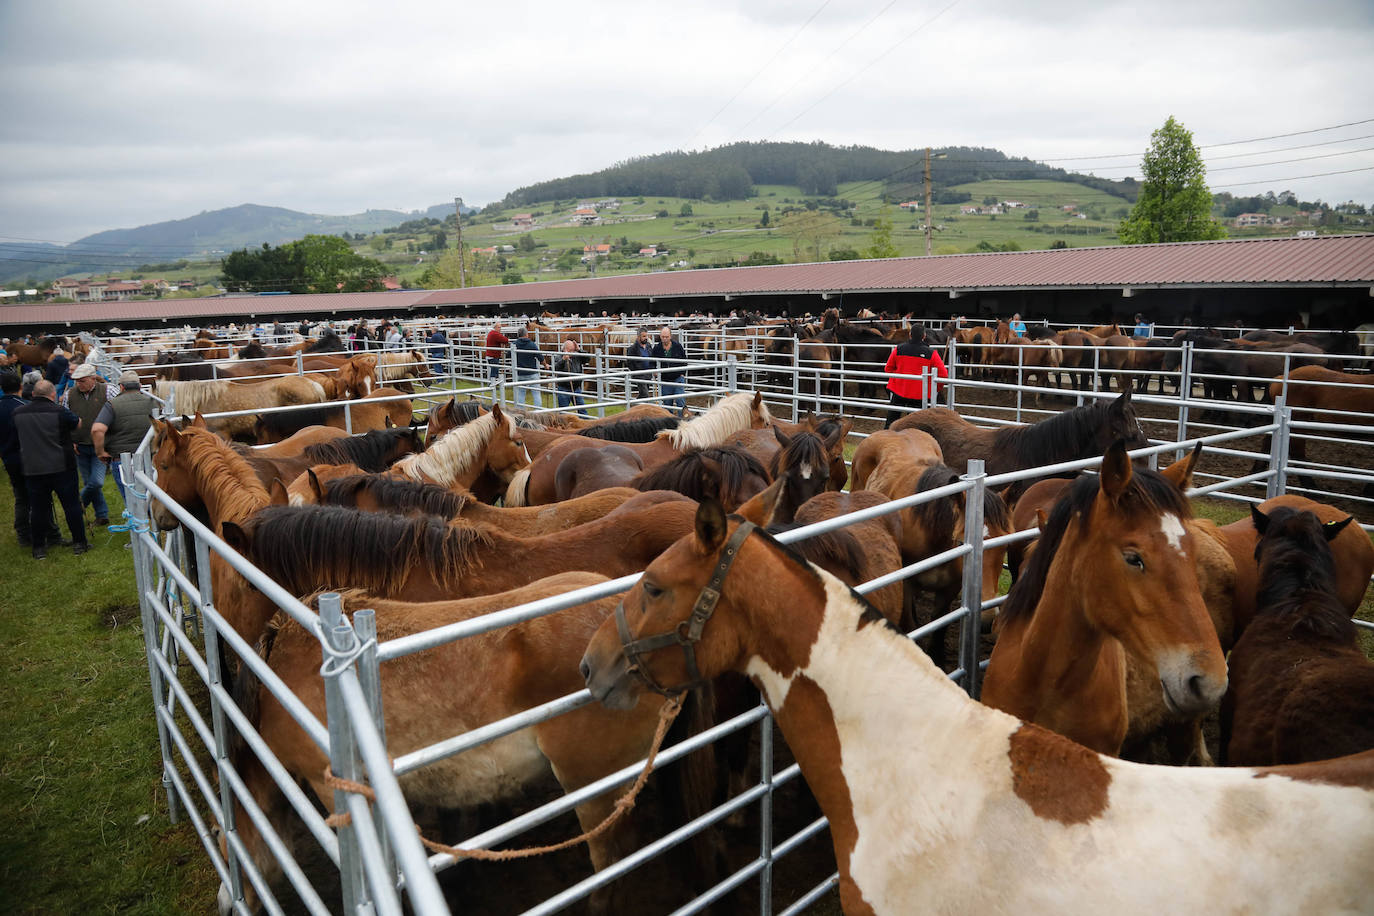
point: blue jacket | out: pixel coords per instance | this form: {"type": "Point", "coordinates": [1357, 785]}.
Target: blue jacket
{"type": "Point", "coordinates": [527, 354]}
{"type": "Point", "coordinates": [641, 357]}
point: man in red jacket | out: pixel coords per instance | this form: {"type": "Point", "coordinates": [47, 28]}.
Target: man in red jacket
{"type": "Point", "coordinates": [497, 344]}
{"type": "Point", "coordinates": [911, 359]}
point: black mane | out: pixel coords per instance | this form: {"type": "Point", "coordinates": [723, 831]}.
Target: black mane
{"type": "Point", "coordinates": [330, 342]}
{"type": "Point", "coordinates": [1148, 492]}
{"type": "Point", "coordinates": [1297, 578]}
{"type": "Point", "coordinates": [635, 429]}
{"type": "Point", "coordinates": [1070, 435]}
{"type": "Point", "coordinates": [684, 474]}
{"type": "Point", "coordinates": [374, 451]}
{"type": "Point", "coordinates": [805, 447]}
{"type": "Point", "coordinates": [395, 494]}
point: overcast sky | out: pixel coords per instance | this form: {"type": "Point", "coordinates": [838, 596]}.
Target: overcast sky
{"type": "Point", "coordinates": [120, 114]}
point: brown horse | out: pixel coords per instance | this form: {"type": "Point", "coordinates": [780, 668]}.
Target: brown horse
{"type": "Point", "coordinates": [896, 447]}
{"type": "Point", "coordinates": [362, 415]}
{"type": "Point", "coordinates": [1112, 576]}
{"type": "Point", "coordinates": [223, 395]}
{"type": "Point", "coordinates": [729, 475]}
{"type": "Point", "coordinates": [432, 696]}
{"type": "Point", "coordinates": [730, 415]}
{"type": "Point", "coordinates": [1301, 688]}
{"type": "Point", "coordinates": [914, 776]}
{"type": "Point", "coordinates": [36, 355]}
{"type": "Point", "coordinates": [1082, 432]}
{"type": "Point", "coordinates": [1036, 359]}
{"type": "Point", "coordinates": [587, 470]}
{"type": "Point", "coordinates": [803, 468]}
{"type": "Point", "coordinates": [1314, 391]}
{"type": "Point", "coordinates": [879, 542]}
{"type": "Point", "coordinates": [482, 456]}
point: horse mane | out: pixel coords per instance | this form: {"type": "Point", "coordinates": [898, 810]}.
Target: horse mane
{"type": "Point", "coordinates": [305, 548]}
{"type": "Point", "coordinates": [192, 397]}
{"type": "Point", "coordinates": [251, 350]}
{"type": "Point", "coordinates": [454, 453]}
{"type": "Point", "coordinates": [1059, 438]}
{"type": "Point", "coordinates": [464, 412]}
{"type": "Point", "coordinates": [1148, 492]}
{"type": "Point", "coordinates": [392, 364]}
{"type": "Point", "coordinates": [635, 429]}
{"type": "Point", "coordinates": [396, 494]}
{"type": "Point", "coordinates": [223, 474]}
{"type": "Point", "coordinates": [683, 473]}
{"type": "Point", "coordinates": [840, 547]}
{"type": "Point", "coordinates": [728, 416]}
{"type": "Point", "coordinates": [806, 447]}
{"type": "Point", "coordinates": [371, 451]}
{"type": "Point", "coordinates": [330, 342]}
{"type": "Point", "coordinates": [1297, 578]}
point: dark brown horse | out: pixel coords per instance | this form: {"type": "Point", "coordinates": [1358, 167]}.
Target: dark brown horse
{"type": "Point", "coordinates": [587, 470]}
{"type": "Point", "coordinates": [1301, 687]}
{"type": "Point", "coordinates": [1082, 432]}
{"type": "Point", "coordinates": [729, 475]}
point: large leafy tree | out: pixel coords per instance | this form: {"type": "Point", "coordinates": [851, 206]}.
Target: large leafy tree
{"type": "Point", "coordinates": [314, 264]}
{"type": "Point", "coordinates": [1175, 204]}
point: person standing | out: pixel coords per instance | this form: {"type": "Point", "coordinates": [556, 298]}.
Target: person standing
{"type": "Point", "coordinates": [527, 360]}
{"type": "Point", "coordinates": [438, 350]}
{"type": "Point", "coordinates": [496, 348]}
{"type": "Point", "coordinates": [85, 399]}
{"type": "Point", "coordinates": [1018, 327]}
{"type": "Point", "coordinates": [10, 401]}
{"type": "Point", "coordinates": [568, 387]}
{"type": "Point", "coordinates": [911, 358]}
{"type": "Point", "coordinates": [671, 360]}
{"type": "Point", "coordinates": [641, 360]}
{"type": "Point", "coordinates": [395, 338]}
{"type": "Point", "coordinates": [121, 425]}
{"type": "Point", "coordinates": [1143, 329]}
{"type": "Point", "coordinates": [45, 446]}
{"type": "Point", "coordinates": [58, 370]}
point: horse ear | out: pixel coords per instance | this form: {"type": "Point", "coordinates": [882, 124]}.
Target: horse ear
{"type": "Point", "coordinates": [1122, 402]}
{"type": "Point", "coordinates": [1116, 470]}
{"type": "Point", "coordinates": [278, 493]}
{"type": "Point", "coordinates": [839, 434]}
{"type": "Point", "coordinates": [760, 507]}
{"type": "Point", "coordinates": [1259, 519]}
{"type": "Point", "coordinates": [389, 424]}
{"type": "Point", "coordinates": [496, 411]}
{"type": "Point", "coordinates": [198, 421]}
{"type": "Point", "coordinates": [1042, 519]}
{"type": "Point", "coordinates": [315, 486]}
{"type": "Point", "coordinates": [758, 399]}
{"type": "Point", "coordinates": [783, 439]}
{"type": "Point", "coordinates": [1180, 473]}
{"type": "Point", "coordinates": [710, 526]}
{"type": "Point", "coordinates": [1332, 529]}
{"type": "Point", "coordinates": [235, 536]}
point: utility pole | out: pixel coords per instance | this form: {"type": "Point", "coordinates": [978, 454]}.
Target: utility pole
{"type": "Point", "coordinates": [927, 202]}
{"type": "Point", "coordinates": [463, 256]}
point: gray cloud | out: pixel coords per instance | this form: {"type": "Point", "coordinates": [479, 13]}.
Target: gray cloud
{"type": "Point", "coordinates": [121, 116]}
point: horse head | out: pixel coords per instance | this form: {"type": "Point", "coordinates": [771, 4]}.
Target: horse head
{"type": "Point", "coordinates": [1122, 425]}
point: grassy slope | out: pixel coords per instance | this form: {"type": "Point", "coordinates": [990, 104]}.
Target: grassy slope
{"type": "Point", "coordinates": [79, 764]}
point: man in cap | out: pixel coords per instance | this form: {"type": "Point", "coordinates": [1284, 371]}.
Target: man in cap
{"type": "Point", "coordinates": [49, 459]}
{"type": "Point", "coordinates": [121, 425]}
{"type": "Point", "coordinates": [85, 398]}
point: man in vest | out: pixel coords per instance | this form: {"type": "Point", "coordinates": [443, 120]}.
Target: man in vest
{"type": "Point", "coordinates": [85, 398]}
{"type": "Point", "coordinates": [121, 425]}
{"type": "Point", "coordinates": [49, 459]}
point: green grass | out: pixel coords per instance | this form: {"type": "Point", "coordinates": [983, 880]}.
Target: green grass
{"type": "Point", "coordinates": [85, 816]}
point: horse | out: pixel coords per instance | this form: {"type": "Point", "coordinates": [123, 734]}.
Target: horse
{"type": "Point", "coordinates": [730, 415]}
{"type": "Point", "coordinates": [765, 444]}
{"type": "Point", "coordinates": [587, 470]}
{"type": "Point", "coordinates": [813, 361]}
{"type": "Point", "coordinates": [1302, 688]}
{"type": "Point", "coordinates": [634, 429]}
{"type": "Point", "coordinates": [431, 696]}
{"type": "Point", "coordinates": [450, 415]}
{"type": "Point", "coordinates": [401, 368]}
{"type": "Point", "coordinates": [482, 456]}
{"type": "Point", "coordinates": [803, 468]}
{"type": "Point", "coordinates": [930, 795]}
{"type": "Point", "coordinates": [361, 415]}
{"type": "Point", "coordinates": [1082, 432]}
{"type": "Point", "coordinates": [1036, 359]}
{"type": "Point", "coordinates": [1312, 390]}
{"type": "Point", "coordinates": [1112, 576]}
{"type": "Point", "coordinates": [36, 355]}
{"type": "Point", "coordinates": [430, 559]}
{"type": "Point", "coordinates": [183, 367]}
{"type": "Point", "coordinates": [224, 395]}
{"type": "Point", "coordinates": [1228, 366]}
{"type": "Point", "coordinates": [730, 475]}
{"type": "Point", "coordinates": [905, 446]}
{"type": "Point", "coordinates": [861, 349]}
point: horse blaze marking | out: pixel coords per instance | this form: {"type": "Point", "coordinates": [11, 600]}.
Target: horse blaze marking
{"type": "Point", "coordinates": [1060, 780]}
{"type": "Point", "coordinates": [1173, 530]}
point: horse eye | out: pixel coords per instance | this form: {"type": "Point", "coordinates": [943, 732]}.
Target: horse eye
{"type": "Point", "coordinates": [653, 591]}
{"type": "Point", "coordinates": [1133, 559]}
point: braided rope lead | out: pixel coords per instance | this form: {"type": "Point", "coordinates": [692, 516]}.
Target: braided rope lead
{"type": "Point", "coordinates": [666, 714]}
{"type": "Point", "coordinates": [131, 524]}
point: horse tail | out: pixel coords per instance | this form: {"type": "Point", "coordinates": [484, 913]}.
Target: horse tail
{"type": "Point", "coordinates": [517, 493]}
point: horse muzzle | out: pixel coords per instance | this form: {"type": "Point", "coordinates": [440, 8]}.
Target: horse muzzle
{"type": "Point", "coordinates": [1189, 687]}
{"type": "Point", "coordinates": [610, 681]}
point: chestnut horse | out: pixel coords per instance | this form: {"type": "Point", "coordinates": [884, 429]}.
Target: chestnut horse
{"type": "Point", "coordinates": [1112, 576]}
{"type": "Point", "coordinates": [224, 395]}
{"type": "Point", "coordinates": [1312, 392]}
{"type": "Point", "coordinates": [482, 456]}
{"type": "Point", "coordinates": [730, 476]}
{"type": "Point", "coordinates": [728, 416]}
{"type": "Point", "coordinates": [433, 696]}
{"type": "Point", "coordinates": [1301, 688]}
{"type": "Point", "coordinates": [931, 796]}
{"type": "Point", "coordinates": [1083, 432]}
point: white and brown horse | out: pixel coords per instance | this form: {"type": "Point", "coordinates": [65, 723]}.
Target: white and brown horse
{"type": "Point", "coordinates": [938, 804]}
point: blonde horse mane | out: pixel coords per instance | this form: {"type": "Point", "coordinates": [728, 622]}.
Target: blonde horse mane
{"type": "Point", "coordinates": [394, 364]}
{"type": "Point", "coordinates": [223, 475]}
{"type": "Point", "coordinates": [730, 415]}
{"type": "Point", "coordinates": [190, 398]}
{"type": "Point", "coordinates": [518, 491]}
{"type": "Point", "coordinates": [455, 452]}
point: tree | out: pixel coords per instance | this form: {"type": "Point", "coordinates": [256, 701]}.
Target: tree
{"type": "Point", "coordinates": [685, 210]}
{"type": "Point", "coordinates": [810, 232]}
{"type": "Point", "coordinates": [526, 242]}
{"type": "Point", "coordinates": [764, 221]}
{"type": "Point", "coordinates": [880, 242]}
{"type": "Point", "coordinates": [1175, 204]}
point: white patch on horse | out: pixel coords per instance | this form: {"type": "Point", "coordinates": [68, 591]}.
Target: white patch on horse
{"type": "Point", "coordinates": [1173, 530]}
{"type": "Point", "coordinates": [806, 472]}
{"type": "Point", "coordinates": [772, 683]}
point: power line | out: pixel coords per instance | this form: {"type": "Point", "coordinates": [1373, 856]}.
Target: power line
{"type": "Point", "coordinates": [1279, 181]}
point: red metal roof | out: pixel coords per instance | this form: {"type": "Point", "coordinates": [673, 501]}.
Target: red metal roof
{"type": "Point", "coordinates": [1344, 260]}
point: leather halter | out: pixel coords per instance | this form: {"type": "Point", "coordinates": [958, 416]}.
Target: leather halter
{"type": "Point", "coordinates": [687, 633]}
